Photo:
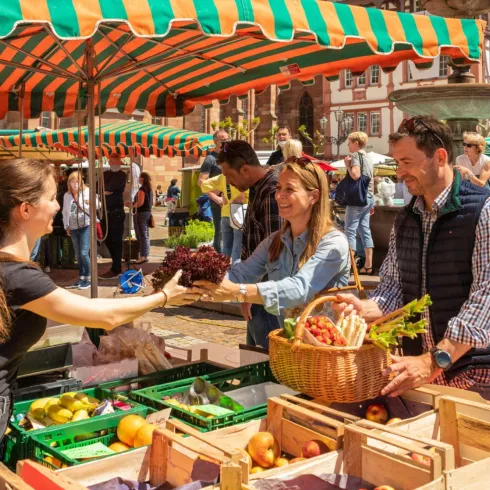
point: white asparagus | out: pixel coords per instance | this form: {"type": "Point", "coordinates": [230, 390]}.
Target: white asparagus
{"type": "Point", "coordinates": [340, 322]}
{"type": "Point", "coordinates": [361, 333]}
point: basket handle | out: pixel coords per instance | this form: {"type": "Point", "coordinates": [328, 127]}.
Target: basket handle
{"type": "Point", "coordinates": [300, 326]}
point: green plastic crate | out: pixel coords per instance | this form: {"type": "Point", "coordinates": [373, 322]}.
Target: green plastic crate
{"type": "Point", "coordinates": [226, 381]}
{"type": "Point", "coordinates": [167, 376]}
{"type": "Point", "coordinates": [17, 443]}
{"type": "Point", "coordinates": [51, 442]}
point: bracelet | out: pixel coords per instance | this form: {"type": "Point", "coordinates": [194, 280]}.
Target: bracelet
{"type": "Point", "coordinates": [166, 299]}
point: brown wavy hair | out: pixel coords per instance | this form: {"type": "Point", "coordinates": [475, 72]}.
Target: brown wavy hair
{"type": "Point", "coordinates": [21, 180]}
{"type": "Point", "coordinates": [312, 177]}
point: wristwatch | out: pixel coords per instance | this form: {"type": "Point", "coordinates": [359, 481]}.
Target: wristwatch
{"type": "Point", "coordinates": [441, 358]}
{"type": "Point", "coordinates": [242, 293]}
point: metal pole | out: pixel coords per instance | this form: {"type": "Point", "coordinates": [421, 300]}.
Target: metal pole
{"type": "Point", "coordinates": [338, 139]}
{"type": "Point", "coordinates": [21, 110]}
{"type": "Point", "coordinates": [91, 168]}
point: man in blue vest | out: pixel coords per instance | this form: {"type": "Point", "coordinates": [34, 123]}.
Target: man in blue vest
{"type": "Point", "coordinates": [440, 245]}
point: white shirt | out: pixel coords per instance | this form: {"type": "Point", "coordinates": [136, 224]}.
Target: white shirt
{"type": "Point", "coordinates": [68, 200]}
{"type": "Point", "coordinates": [476, 169]}
{"type": "Point", "coordinates": [136, 172]}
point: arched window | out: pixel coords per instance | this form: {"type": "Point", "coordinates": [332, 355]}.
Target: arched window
{"type": "Point", "coordinates": [306, 119]}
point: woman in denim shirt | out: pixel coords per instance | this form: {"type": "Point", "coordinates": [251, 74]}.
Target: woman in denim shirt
{"type": "Point", "coordinates": [291, 266]}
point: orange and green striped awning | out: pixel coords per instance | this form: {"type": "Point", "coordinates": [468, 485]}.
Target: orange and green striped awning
{"type": "Point", "coordinates": [118, 137]}
{"type": "Point", "coordinates": [167, 56]}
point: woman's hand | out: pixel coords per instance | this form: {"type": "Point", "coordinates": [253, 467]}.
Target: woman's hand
{"type": "Point", "coordinates": [465, 172]}
{"type": "Point", "coordinates": [215, 293]}
{"type": "Point", "coordinates": [68, 231]}
{"type": "Point", "coordinates": [180, 295]}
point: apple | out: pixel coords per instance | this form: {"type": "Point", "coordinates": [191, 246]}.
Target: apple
{"type": "Point", "coordinates": [384, 487]}
{"type": "Point", "coordinates": [297, 460]}
{"type": "Point", "coordinates": [264, 449]}
{"type": "Point", "coordinates": [281, 462]}
{"type": "Point", "coordinates": [312, 449]}
{"type": "Point", "coordinates": [377, 413]}
{"type": "Point", "coordinates": [394, 420]}
{"type": "Point", "coordinates": [425, 460]}
{"type": "Point", "coordinates": [256, 469]}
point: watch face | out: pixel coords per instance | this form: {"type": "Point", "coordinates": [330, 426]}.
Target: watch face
{"type": "Point", "coordinates": [443, 359]}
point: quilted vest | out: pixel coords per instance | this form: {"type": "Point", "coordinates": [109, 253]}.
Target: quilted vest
{"type": "Point", "coordinates": [448, 264]}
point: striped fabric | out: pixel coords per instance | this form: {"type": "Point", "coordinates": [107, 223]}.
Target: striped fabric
{"type": "Point", "coordinates": [146, 139]}
{"type": "Point", "coordinates": [167, 56]}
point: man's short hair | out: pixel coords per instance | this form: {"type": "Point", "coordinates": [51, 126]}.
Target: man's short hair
{"type": "Point", "coordinates": [358, 137]}
{"type": "Point", "coordinates": [284, 126]}
{"type": "Point", "coordinates": [237, 153]}
{"type": "Point", "coordinates": [429, 133]}
{"type": "Point", "coordinates": [215, 135]}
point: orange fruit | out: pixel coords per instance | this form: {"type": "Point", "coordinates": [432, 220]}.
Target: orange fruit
{"type": "Point", "coordinates": [144, 436]}
{"type": "Point", "coordinates": [128, 427]}
{"type": "Point", "coordinates": [119, 447]}
{"type": "Point", "coordinates": [256, 469]}
{"type": "Point", "coordinates": [53, 461]}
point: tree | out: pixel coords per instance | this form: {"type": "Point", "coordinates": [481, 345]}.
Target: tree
{"type": "Point", "coordinates": [271, 139]}
{"type": "Point", "coordinates": [317, 140]}
{"type": "Point", "coordinates": [237, 131]}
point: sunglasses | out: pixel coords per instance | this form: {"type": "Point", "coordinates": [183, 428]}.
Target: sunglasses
{"type": "Point", "coordinates": [469, 145]}
{"type": "Point", "coordinates": [409, 125]}
{"type": "Point", "coordinates": [302, 161]}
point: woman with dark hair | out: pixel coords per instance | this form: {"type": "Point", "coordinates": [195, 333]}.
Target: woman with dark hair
{"type": "Point", "coordinates": [28, 296]}
{"type": "Point", "coordinates": [143, 202]}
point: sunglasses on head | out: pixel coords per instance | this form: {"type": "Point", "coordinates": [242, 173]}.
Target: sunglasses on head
{"type": "Point", "coordinates": [301, 161]}
{"type": "Point", "coordinates": [409, 125]}
{"type": "Point", "coordinates": [469, 145]}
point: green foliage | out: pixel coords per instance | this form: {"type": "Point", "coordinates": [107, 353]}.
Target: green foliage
{"type": "Point", "coordinates": [237, 131]}
{"type": "Point", "coordinates": [271, 139]}
{"type": "Point", "coordinates": [317, 140]}
{"type": "Point", "coordinates": [196, 233]}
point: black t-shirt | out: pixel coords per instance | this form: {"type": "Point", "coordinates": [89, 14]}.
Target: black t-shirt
{"type": "Point", "coordinates": [210, 166]}
{"type": "Point", "coordinates": [115, 182]}
{"type": "Point", "coordinates": [276, 158]}
{"type": "Point", "coordinates": [22, 284]}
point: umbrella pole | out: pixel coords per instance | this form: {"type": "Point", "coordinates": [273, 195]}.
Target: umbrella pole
{"type": "Point", "coordinates": [91, 170]}
{"type": "Point", "coordinates": [21, 110]}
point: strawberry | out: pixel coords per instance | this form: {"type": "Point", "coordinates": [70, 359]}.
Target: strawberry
{"type": "Point", "coordinates": [320, 339]}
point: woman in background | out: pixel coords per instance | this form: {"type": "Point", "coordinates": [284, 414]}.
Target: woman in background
{"type": "Point", "coordinates": [76, 220]}
{"type": "Point", "coordinates": [143, 202]}
{"type": "Point", "coordinates": [474, 165]}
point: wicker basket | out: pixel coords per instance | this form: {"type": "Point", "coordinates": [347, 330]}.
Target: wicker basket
{"type": "Point", "coordinates": [334, 374]}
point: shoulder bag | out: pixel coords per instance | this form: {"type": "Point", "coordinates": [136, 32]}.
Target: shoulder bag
{"type": "Point", "coordinates": [237, 212]}
{"type": "Point", "coordinates": [350, 192]}
{"type": "Point", "coordinates": [100, 233]}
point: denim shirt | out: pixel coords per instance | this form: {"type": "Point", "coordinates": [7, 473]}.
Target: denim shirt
{"type": "Point", "coordinates": [287, 287]}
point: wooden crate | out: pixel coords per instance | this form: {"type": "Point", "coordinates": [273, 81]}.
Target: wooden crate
{"type": "Point", "coordinates": [11, 481]}
{"type": "Point", "coordinates": [465, 425]}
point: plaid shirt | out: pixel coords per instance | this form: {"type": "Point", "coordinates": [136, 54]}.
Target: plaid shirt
{"type": "Point", "coordinates": [262, 216]}
{"type": "Point", "coordinates": [472, 324]}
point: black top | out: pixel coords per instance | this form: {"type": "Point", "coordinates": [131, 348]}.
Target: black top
{"type": "Point", "coordinates": [22, 283]}
{"type": "Point", "coordinates": [210, 166]}
{"type": "Point", "coordinates": [147, 203]}
{"type": "Point", "coordinates": [115, 182]}
{"type": "Point", "coordinates": [173, 191]}
{"type": "Point", "coordinates": [276, 158]}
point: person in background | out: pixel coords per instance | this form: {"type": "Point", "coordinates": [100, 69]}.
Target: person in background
{"type": "Point", "coordinates": [113, 225]}
{"type": "Point", "coordinates": [210, 169]}
{"type": "Point", "coordinates": [283, 134]}
{"type": "Point", "coordinates": [28, 297]}
{"type": "Point", "coordinates": [136, 172]}
{"type": "Point", "coordinates": [305, 257]}
{"type": "Point", "coordinates": [204, 212]}
{"type": "Point", "coordinates": [242, 169]}
{"type": "Point", "coordinates": [474, 165]}
{"type": "Point", "coordinates": [173, 194]}
{"type": "Point", "coordinates": [438, 246]}
{"type": "Point", "coordinates": [224, 195]}
{"type": "Point", "coordinates": [76, 220]}
{"type": "Point", "coordinates": [292, 149]}
{"type": "Point", "coordinates": [357, 217]}
{"type": "Point", "coordinates": [159, 195]}
{"type": "Point", "coordinates": [142, 204]}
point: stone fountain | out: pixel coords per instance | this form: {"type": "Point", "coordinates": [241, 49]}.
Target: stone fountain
{"type": "Point", "coordinates": [460, 102]}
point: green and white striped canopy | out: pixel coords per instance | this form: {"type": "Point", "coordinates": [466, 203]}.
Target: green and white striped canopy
{"type": "Point", "coordinates": [118, 137]}
{"type": "Point", "coordinates": [167, 56]}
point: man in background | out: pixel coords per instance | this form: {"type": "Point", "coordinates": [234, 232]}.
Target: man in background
{"type": "Point", "coordinates": [283, 134]}
{"type": "Point", "coordinates": [210, 169]}
{"type": "Point", "coordinates": [113, 224]}
{"type": "Point", "coordinates": [242, 169]}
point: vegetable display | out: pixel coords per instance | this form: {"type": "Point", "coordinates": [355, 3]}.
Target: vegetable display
{"type": "Point", "coordinates": [400, 323]}
{"type": "Point", "coordinates": [204, 263]}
